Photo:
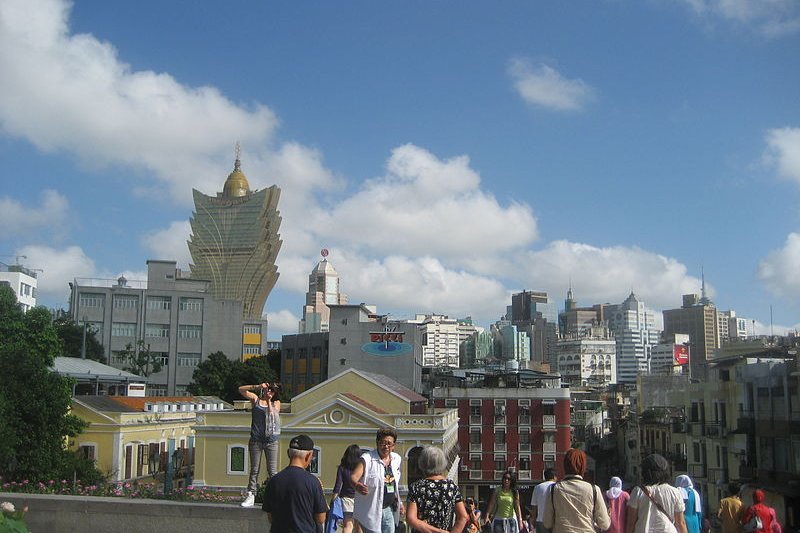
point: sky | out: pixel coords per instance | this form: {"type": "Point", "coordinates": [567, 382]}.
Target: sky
{"type": "Point", "coordinates": [448, 154]}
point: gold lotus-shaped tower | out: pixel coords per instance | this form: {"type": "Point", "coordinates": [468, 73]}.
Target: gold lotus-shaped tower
{"type": "Point", "coordinates": [235, 241]}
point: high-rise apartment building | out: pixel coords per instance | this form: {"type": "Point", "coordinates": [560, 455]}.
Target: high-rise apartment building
{"type": "Point", "coordinates": [440, 338]}
{"type": "Point", "coordinates": [730, 327]}
{"type": "Point", "coordinates": [323, 290]}
{"type": "Point", "coordinates": [634, 327]}
{"type": "Point", "coordinates": [697, 317]}
{"type": "Point", "coordinates": [235, 241]}
{"type": "Point", "coordinates": [534, 313]}
{"type": "Point", "coordinates": [22, 281]}
{"type": "Point", "coordinates": [588, 357]}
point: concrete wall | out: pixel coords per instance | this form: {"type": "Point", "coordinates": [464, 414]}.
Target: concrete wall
{"type": "Point", "coordinates": [53, 513]}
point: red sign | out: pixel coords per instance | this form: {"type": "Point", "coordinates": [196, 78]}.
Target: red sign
{"type": "Point", "coordinates": [386, 336]}
{"type": "Point", "coordinates": [680, 354]}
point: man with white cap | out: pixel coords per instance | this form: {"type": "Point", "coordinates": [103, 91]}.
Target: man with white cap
{"type": "Point", "coordinates": [293, 498]}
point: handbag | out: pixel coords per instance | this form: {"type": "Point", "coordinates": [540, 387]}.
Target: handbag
{"type": "Point", "coordinates": [658, 505]}
{"type": "Point", "coordinates": [754, 524]}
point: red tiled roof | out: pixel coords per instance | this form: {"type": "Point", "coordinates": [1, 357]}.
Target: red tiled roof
{"type": "Point", "coordinates": [365, 403]}
{"type": "Point", "coordinates": [137, 402]}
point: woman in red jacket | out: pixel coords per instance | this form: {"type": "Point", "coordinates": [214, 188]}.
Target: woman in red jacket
{"type": "Point", "coordinates": [758, 509]}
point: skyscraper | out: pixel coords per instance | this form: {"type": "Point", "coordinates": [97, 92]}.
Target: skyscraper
{"type": "Point", "coordinates": [235, 241]}
{"type": "Point", "coordinates": [534, 313]}
{"type": "Point", "coordinates": [323, 290]}
{"type": "Point", "coordinates": [634, 328]}
{"type": "Point", "coordinates": [697, 317]}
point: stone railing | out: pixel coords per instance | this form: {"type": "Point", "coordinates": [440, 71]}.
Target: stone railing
{"type": "Point", "coordinates": [50, 512]}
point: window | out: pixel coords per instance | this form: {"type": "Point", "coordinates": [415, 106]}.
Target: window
{"type": "Point", "coordinates": [118, 358]}
{"type": "Point", "coordinates": [189, 332]}
{"type": "Point", "coordinates": [156, 330]}
{"type": "Point", "coordinates": [161, 303]}
{"type": "Point", "coordinates": [236, 455]}
{"type": "Point", "coordinates": [182, 390]}
{"type": "Point", "coordinates": [524, 462]}
{"type": "Point", "coordinates": [156, 390]}
{"type": "Point", "coordinates": [251, 349]}
{"type": "Point", "coordinates": [499, 463]}
{"type": "Point", "coordinates": [87, 451]}
{"type": "Point", "coordinates": [123, 329]}
{"type": "Point", "coordinates": [449, 402]}
{"type": "Point", "coordinates": [316, 352]}
{"type": "Point", "coordinates": [524, 437]}
{"type": "Point", "coordinates": [475, 436]}
{"type": "Point", "coordinates": [290, 353]}
{"type": "Point", "coordinates": [89, 299]}
{"type": "Point", "coordinates": [252, 329]}
{"type": "Point", "coordinates": [475, 410]}
{"type": "Point", "coordinates": [125, 301]}
{"type": "Point", "coordinates": [193, 304]}
{"type": "Point", "coordinates": [343, 340]}
{"type": "Point", "coordinates": [499, 436]}
{"type": "Point", "coordinates": [695, 452]}
{"type": "Point", "coordinates": [161, 357]}
{"type": "Point", "coordinates": [188, 359]}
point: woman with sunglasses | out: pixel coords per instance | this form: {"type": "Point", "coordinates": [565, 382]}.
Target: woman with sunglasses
{"type": "Point", "coordinates": [265, 429]}
{"type": "Point", "coordinates": [504, 511]}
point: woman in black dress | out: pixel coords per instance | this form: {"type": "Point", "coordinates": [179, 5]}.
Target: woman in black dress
{"type": "Point", "coordinates": [435, 504]}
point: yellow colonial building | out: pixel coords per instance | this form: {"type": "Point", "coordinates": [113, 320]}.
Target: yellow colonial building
{"type": "Point", "coordinates": [346, 409]}
{"type": "Point", "coordinates": [130, 437]}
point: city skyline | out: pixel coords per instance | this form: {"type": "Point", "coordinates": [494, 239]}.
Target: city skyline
{"type": "Point", "coordinates": [447, 155]}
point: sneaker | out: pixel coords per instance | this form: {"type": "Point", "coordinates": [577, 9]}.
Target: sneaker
{"type": "Point", "coordinates": [250, 500]}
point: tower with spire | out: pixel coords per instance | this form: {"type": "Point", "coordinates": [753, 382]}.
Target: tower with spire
{"type": "Point", "coordinates": [323, 290]}
{"type": "Point", "coordinates": [235, 241]}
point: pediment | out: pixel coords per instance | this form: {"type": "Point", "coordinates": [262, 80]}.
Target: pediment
{"type": "Point", "coordinates": [338, 412]}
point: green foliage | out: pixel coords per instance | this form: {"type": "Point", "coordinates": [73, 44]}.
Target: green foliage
{"type": "Point", "coordinates": [71, 335]}
{"type": "Point", "coordinates": [12, 521]}
{"type": "Point", "coordinates": [34, 401]}
{"type": "Point", "coordinates": [274, 358]}
{"type": "Point", "coordinates": [220, 376]}
{"type": "Point", "coordinates": [139, 360]}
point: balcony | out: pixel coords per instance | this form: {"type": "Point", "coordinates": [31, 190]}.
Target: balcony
{"type": "Point", "coordinates": [549, 421]}
{"type": "Point", "coordinates": [697, 471]}
{"type": "Point", "coordinates": [717, 475]}
{"type": "Point", "coordinates": [548, 447]}
{"type": "Point", "coordinates": [747, 473]}
{"type": "Point", "coordinates": [476, 474]}
{"type": "Point", "coordinates": [716, 431]}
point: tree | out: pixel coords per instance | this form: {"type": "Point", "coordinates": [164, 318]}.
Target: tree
{"type": "Point", "coordinates": [220, 376]}
{"type": "Point", "coordinates": [34, 401]}
{"type": "Point", "coordinates": [71, 335]}
{"type": "Point", "coordinates": [139, 360]}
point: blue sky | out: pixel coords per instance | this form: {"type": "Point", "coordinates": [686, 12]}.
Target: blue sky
{"type": "Point", "coordinates": [448, 154]}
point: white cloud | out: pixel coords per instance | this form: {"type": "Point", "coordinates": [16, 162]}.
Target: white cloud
{"type": "Point", "coordinates": [282, 322]}
{"type": "Point", "coordinates": [426, 206]}
{"type": "Point", "coordinates": [59, 267]}
{"type": "Point", "coordinates": [67, 92]}
{"type": "Point", "coordinates": [543, 86]}
{"type": "Point", "coordinates": [771, 18]}
{"type": "Point", "coordinates": [783, 150]}
{"type": "Point", "coordinates": [17, 219]}
{"type": "Point", "coordinates": [608, 274]}
{"type": "Point", "coordinates": [170, 243]}
{"type": "Point", "coordinates": [780, 270]}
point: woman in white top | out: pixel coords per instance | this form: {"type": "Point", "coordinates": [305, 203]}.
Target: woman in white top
{"type": "Point", "coordinates": [655, 506]}
{"type": "Point", "coordinates": [376, 479]}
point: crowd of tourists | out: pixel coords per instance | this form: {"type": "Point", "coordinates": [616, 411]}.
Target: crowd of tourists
{"type": "Point", "coordinates": [366, 496]}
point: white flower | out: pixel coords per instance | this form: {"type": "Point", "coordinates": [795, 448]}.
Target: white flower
{"type": "Point", "coordinates": [7, 507]}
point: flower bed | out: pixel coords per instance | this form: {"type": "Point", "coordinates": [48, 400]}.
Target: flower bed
{"type": "Point", "coordinates": [121, 489]}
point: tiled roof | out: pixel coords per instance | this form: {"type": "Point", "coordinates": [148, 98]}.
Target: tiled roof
{"type": "Point", "coordinates": [394, 386]}
{"type": "Point", "coordinates": [365, 403]}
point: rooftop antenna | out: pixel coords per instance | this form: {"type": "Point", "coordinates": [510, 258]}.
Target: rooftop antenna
{"type": "Point", "coordinates": [238, 150]}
